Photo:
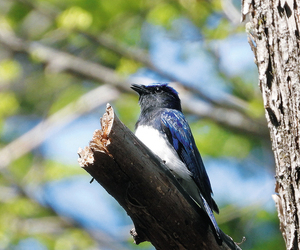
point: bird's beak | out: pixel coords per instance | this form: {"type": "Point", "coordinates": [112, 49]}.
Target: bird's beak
{"type": "Point", "coordinates": [138, 88]}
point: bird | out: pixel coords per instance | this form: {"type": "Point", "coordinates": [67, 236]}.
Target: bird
{"type": "Point", "coordinates": [163, 128]}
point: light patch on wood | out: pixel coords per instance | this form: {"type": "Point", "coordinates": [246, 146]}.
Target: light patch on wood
{"type": "Point", "coordinates": [101, 139]}
{"type": "Point", "coordinates": [86, 156]}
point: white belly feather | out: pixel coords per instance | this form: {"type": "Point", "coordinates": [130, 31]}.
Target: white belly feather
{"type": "Point", "coordinates": [156, 142]}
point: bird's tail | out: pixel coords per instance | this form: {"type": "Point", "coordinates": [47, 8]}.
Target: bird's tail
{"type": "Point", "coordinates": [219, 235]}
{"type": "Point", "coordinates": [213, 221]}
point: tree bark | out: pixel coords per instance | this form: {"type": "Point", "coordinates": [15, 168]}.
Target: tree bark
{"type": "Point", "coordinates": [274, 38]}
{"type": "Point", "coordinates": [162, 212]}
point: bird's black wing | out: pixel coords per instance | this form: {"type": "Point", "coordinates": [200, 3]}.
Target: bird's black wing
{"type": "Point", "coordinates": [180, 136]}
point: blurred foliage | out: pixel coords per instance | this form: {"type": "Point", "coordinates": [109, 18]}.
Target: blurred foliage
{"type": "Point", "coordinates": [127, 109]}
{"type": "Point", "coordinates": [217, 142]}
{"type": "Point", "coordinates": [74, 18]}
{"type": "Point", "coordinates": [33, 88]}
{"type": "Point", "coordinates": [163, 14]}
{"type": "Point", "coordinates": [9, 70]}
{"type": "Point", "coordinates": [127, 66]}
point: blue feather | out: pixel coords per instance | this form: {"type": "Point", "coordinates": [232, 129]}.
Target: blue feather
{"type": "Point", "coordinates": [180, 137]}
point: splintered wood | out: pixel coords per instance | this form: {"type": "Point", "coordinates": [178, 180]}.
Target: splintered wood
{"type": "Point", "coordinates": [100, 139]}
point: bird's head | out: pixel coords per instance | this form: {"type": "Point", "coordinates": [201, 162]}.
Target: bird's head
{"type": "Point", "coordinates": [157, 96]}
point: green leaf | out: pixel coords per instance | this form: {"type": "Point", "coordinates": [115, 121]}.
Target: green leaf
{"type": "Point", "coordinates": [127, 66]}
{"type": "Point", "coordinates": [9, 70]}
{"type": "Point", "coordinates": [8, 104]}
{"type": "Point", "coordinates": [18, 12]}
{"type": "Point", "coordinates": [75, 18]}
{"type": "Point", "coordinates": [163, 14]}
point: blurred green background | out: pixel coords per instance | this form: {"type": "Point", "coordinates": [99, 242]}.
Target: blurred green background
{"type": "Point", "coordinates": [62, 61]}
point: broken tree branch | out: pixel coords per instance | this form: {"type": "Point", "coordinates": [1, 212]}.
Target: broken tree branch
{"type": "Point", "coordinates": [160, 209]}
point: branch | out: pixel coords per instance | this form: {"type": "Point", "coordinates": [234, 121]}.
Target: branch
{"type": "Point", "coordinates": [231, 12]}
{"type": "Point", "coordinates": [61, 61]}
{"type": "Point", "coordinates": [34, 137]}
{"type": "Point", "coordinates": [227, 101]}
{"type": "Point", "coordinates": [228, 118]}
{"type": "Point", "coordinates": [58, 60]}
{"type": "Point", "coordinates": [161, 210]}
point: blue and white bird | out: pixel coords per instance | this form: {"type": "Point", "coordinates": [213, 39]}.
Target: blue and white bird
{"type": "Point", "coordinates": [163, 128]}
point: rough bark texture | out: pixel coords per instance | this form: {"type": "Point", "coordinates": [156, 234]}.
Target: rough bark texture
{"type": "Point", "coordinates": [161, 210]}
{"type": "Point", "coordinates": [274, 38]}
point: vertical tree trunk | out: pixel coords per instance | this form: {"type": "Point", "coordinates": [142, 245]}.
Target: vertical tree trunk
{"type": "Point", "coordinates": [274, 38]}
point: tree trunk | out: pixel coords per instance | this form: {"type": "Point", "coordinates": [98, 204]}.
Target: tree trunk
{"type": "Point", "coordinates": [274, 38]}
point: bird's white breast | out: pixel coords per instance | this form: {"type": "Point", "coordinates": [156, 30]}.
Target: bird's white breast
{"type": "Point", "coordinates": [160, 146]}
